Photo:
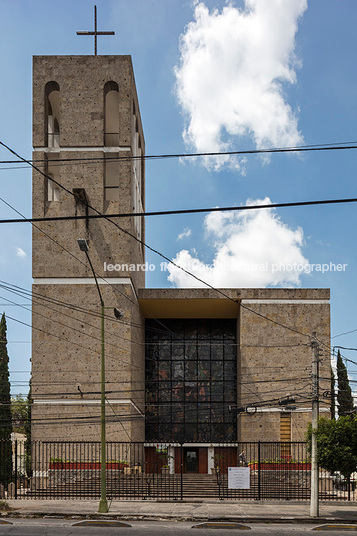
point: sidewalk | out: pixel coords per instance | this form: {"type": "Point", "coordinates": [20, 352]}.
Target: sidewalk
{"type": "Point", "coordinates": [249, 511]}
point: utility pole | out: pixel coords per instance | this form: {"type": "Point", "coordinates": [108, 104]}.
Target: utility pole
{"type": "Point", "coordinates": [314, 503]}
{"type": "Point", "coordinates": [103, 504]}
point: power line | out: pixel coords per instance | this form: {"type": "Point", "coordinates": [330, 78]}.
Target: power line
{"type": "Point", "coordinates": [81, 321]}
{"type": "Point", "coordinates": [331, 349]}
{"type": "Point", "coordinates": [345, 333]}
{"type": "Point", "coordinates": [123, 294]}
{"type": "Point", "coordinates": [344, 348]}
{"type": "Point", "coordinates": [48, 333]}
{"type": "Point", "coordinates": [261, 371]}
{"type": "Point", "coordinates": [53, 383]}
{"type": "Point", "coordinates": [74, 343]}
{"type": "Point", "coordinates": [182, 211]}
{"type": "Point", "coordinates": [24, 293]}
{"type": "Point", "coordinates": [245, 383]}
{"type": "Point", "coordinates": [122, 338]}
{"type": "Point", "coordinates": [125, 416]}
{"type": "Point", "coordinates": [338, 146]}
{"type": "Point", "coordinates": [72, 255]}
{"type": "Point", "coordinates": [159, 390]}
{"type": "Point", "coordinates": [219, 291]}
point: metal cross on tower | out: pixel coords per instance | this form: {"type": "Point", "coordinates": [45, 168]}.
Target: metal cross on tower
{"type": "Point", "coordinates": [95, 33]}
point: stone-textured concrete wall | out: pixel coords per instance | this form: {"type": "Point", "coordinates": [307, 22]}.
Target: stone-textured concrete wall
{"type": "Point", "coordinates": [276, 362]}
{"type": "Point", "coordinates": [235, 293]}
{"type": "Point", "coordinates": [81, 80]}
{"type": "Point", "coordinates": [66, 340]}
{"type": "Point", "coordinates": [272, 361]}
{"type": "Point", "coordinates": [66, 360]}
{"type": "Point", "coordinates": [107, 243]}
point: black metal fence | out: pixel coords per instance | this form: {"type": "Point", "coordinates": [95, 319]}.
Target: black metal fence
{"type": "Point", "coordinates": [71, 470]}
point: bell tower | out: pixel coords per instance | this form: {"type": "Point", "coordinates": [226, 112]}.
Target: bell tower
{"type": "Point", "coordinates": [87, 134]}
{"type": "Point", "coordinates": [88, 141]}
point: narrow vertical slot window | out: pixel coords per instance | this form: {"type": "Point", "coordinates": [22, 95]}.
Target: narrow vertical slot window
{"type": "Point", "coordinates": [137, 182]}
{"type": "Point", "coordinates": [53, 172]}
{"type": "Point", "coordinates": [111, 114]}
{"type": "Point", "coordinates": [52, 92]}
{"type": "Point", "coordinates": [111, 177]}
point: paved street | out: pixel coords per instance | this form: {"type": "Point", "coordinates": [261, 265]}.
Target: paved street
{"type": "Point", "coordinates": [42, 527]}
{"type": "Point", "coordinates": [190, 511]}
{"type": "Point", "coordinates": [150, 518]}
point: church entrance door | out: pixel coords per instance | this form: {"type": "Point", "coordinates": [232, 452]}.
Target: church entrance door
{"type": "Point", "coordinates": [191, 460]}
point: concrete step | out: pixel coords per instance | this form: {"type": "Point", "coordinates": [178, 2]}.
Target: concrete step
{"type": "Point", "coordinates": [168, 486]}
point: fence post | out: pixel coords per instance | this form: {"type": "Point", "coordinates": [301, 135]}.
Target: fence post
{"type": "Point", "coordinates": [259, 482]}
{"type": "Point", "coordinates": [181, 472]}
{"type": "Point", "coordinates": [15, 469]}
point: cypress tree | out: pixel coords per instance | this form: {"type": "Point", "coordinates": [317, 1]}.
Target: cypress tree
{"type": "Point", "coordinates": [5, 409]}
{"type": "Point", "coordinates": [333, 394]}
{"type": "Point", "coordinates": [344, 393]}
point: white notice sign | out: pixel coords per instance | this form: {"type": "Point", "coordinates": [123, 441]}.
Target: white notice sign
{"type": "Point", "coordinates": [238, 478]}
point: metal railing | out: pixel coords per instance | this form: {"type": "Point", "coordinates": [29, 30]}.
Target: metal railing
{"type": "Point", "coordinates": [71, 470]}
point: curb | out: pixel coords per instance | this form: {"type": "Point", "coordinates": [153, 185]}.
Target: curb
{"type": "Point", "coordinates": [182, 518]}
{"type": "Point", "coordinates": [338, 527]}
{"type": "Point", "coordinates": [100, 523]}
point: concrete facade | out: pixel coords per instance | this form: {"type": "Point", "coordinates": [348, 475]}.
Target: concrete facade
{"type": "Point", "coordinates": [272, 362]}
{"type": "Point", "coordinates": [69, 125]}
{"type": "Point", "coordinates": [66, 309]}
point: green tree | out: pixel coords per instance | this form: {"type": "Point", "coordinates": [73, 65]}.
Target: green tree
{"type": "Point", "coordinates": [336, 444]}
{"type": "Point", "coordinates": [19, 412]}
{"type": "Point", "coordinates": [5, 409]}
{"type": "Point", "coordinates": [344, 393]}
{"type": "Point", "coordinates": [21, 423]}
{"type": "Point", "coordinates": [333, 394]}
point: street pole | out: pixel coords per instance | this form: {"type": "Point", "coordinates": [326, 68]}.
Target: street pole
{"type": "Point", "coordinates": [103, 504]}
{"type": "Point", "coordinates": [314, 502]}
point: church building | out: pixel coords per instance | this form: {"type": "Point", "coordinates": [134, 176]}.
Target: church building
{"type": "Point", "coordinates": [195, 366]}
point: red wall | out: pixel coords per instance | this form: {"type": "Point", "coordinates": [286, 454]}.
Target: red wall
{"type": "Point", "coordinates": [229, 457]}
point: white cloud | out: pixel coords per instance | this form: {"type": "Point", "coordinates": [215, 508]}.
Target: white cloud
{"type": "Point", "coordinates": [20, 253]}
{"type": "Point", "coordinates": [252, 249]}
{"type": "Point", "coordinates": [185, 234]}
{"type": "Point", "coordinates": [230, 79]}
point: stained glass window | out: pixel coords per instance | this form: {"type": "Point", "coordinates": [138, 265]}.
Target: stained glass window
{"type": "Point", "coordinates": [191, 379]}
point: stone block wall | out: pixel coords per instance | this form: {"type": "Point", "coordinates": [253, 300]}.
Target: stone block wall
{"type": "Point", "coordinates": [81, 80]}
{"type": "Point", "coordinates": [66, 363]}
{"type": "Point", "coordinates": [276, 362]}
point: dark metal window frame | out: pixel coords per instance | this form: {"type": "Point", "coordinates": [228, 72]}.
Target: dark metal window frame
{"type": "Point", "coordinates": [191, 379]}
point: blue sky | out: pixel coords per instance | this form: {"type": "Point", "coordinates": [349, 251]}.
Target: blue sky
{"type": "Point", "coordinates": [227, 75]}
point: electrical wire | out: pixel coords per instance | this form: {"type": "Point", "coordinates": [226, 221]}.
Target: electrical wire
{"type": "Point", "coordinates": [73, 342]}
{"type": "Point", "coordinates": [81, 262]}
{"type": "Point", "coordinates": [268, 206]}
{"type": "Point", "coordinates": [219, 291]}
{"type": "Point", "coordinates": [159, 390]}
{"type": "Point", "coordinates": [24, 293]}
{"type": "Point", "coordinates": [345, 333]}
{"type": "Point", "coordinates": [300, 148]}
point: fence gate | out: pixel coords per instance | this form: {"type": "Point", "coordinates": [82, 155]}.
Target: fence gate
{"type": "Point", "coordinates": [71, 470]}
